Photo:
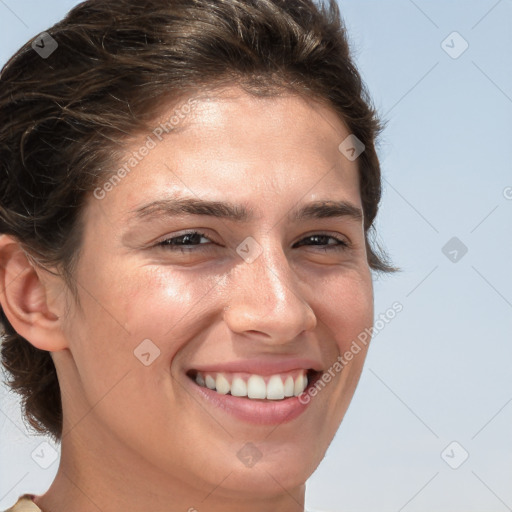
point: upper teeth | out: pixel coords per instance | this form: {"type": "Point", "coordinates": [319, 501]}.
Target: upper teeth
{"type": "Point", "coordinates": [273, 387]}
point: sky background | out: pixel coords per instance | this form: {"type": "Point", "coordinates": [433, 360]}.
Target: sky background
{"type": "Point", "coordinates": [437, 385]}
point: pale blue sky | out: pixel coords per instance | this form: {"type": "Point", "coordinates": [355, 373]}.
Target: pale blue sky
{"type": "Point", "coordinates": [440, 371]}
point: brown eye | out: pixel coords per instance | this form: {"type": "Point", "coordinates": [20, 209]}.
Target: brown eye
{"type": "Point", "coordinates": [325, 242]}
{"type": "Point", "coordinates": [185, 241]}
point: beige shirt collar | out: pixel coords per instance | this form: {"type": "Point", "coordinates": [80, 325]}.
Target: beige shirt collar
{"type": "Point", "coordinates": [24, 504]}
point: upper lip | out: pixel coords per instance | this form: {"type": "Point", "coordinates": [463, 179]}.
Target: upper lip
{"type": "Point", "coordinates": [260, 366]}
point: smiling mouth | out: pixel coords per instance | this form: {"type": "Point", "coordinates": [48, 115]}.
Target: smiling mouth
{"type": "Point", "coordinates": [256, 387]}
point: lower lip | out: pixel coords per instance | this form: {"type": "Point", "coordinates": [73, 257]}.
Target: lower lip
{"type": "Point", "coordinates": [258, 412]}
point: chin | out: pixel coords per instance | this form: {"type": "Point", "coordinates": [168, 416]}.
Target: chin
{"type": "Point", "coordinates": [267, 472]}
{"type": "Point", "coordinates": [265, 481]}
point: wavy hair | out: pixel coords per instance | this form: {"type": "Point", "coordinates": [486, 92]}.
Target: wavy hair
{"type": "Point", "coordinates": [68, 117]}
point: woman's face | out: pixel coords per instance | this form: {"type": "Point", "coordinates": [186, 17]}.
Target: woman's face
{"type": "Point", "coordinates": [230, 256]}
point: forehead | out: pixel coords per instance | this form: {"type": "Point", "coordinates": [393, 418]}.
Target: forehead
{"type": "Point", "coordinates": [237, 147]}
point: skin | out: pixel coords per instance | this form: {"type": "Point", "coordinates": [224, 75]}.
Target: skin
{"type": "Point", "coordinates": [134, 437]}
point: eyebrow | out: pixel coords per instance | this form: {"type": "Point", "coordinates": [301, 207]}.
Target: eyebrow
{"type": "Point", "coordinates": [242, 213]}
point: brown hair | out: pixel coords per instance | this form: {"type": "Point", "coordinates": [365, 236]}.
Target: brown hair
{"type": "Point", "coordinates": [66, 118]}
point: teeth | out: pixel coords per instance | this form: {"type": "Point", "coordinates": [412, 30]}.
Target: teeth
{"type": "Point", "coordinates": [210, 382]}
{"type": "Point", "coordinates": [255, 387]}
{"type": "Point", "coordinates": [300, 385]}
{"type": "Point", "coordinates": [238, 387]}
{"type": "Point", "coordinates": [289, 386]}
{"type": "Point", "coordinates": [222, 384]}
{"type": "Point", "coordinates": [275, 388]}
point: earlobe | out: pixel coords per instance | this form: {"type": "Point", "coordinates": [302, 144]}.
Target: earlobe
{"type": "Point", "coordinates": [24, 298]}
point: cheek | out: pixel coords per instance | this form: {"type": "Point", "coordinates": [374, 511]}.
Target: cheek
{"type": "Point", "coordinates": [121, 311]}
{"type": "Point", "coordinates": [122, 307]}
{"type": "Point", "coordinates": [166, 303]}
{"type": "Point", "coordinates": [347, 313]}
{"type": "Point", "coordinates": [145, 299]}
{"type": "Point", "coordinates": [346, 307]}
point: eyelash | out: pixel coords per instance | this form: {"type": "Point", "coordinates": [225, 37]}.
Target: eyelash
{"type": "Point", "coordinates": [170, 244]}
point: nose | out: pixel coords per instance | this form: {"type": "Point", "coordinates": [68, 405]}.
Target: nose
{"type": "Point", "coordinates": [266, 300]}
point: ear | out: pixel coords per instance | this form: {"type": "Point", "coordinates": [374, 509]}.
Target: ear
{"type": "Point", "coordinates": [24, 292]}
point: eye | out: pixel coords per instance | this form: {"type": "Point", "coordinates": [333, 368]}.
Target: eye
{"type": "Point", "coordinates": [324, 242]}
{"type": "Point", "coordinates": [188, 241]}
{"type": "Point", "coordinates": [184, 242]}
